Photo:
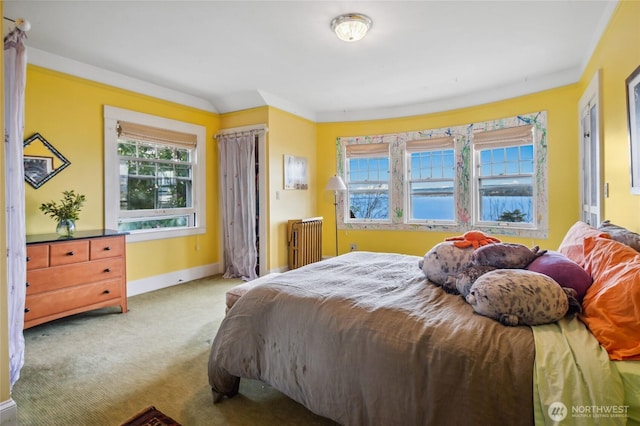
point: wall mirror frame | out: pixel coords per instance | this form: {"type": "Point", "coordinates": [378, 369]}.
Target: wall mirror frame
{"type": "Point", "coordinates": [42, 161]}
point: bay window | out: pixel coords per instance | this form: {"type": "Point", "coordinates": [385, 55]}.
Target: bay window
{"type": "Point", "coordinates": [490, 176]}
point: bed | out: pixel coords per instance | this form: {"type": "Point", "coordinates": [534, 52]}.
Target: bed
{"type": "Point", "coordinates": [365, 339]}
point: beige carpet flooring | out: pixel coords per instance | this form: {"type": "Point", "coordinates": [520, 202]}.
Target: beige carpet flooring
{"type": "Point", "coordinates": [101, 367]}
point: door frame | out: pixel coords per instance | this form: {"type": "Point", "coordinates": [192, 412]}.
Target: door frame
{"type": "Point", "coordinates": [590, 99]}
{"type": "Point", "coordinates": [263, 215]}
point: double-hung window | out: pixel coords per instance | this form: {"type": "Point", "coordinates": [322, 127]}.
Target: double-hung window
{"type": "Point", "coordinates": [504, 177]}
{"type": "Point", "coordinates": [489, 176]}
{"type": "Point", "coordinates": [154, 183]}
{"type": "Point", "coordinates": [367, 168]}
{"type": "Point", "coordinates": [430, 167]}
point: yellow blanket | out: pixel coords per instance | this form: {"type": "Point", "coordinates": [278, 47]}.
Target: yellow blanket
{"type": "Point", "coordinates": [575, 383]}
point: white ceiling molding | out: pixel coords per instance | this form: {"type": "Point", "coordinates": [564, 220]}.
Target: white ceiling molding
{"type": "Point", "coordinates": [78, 69]}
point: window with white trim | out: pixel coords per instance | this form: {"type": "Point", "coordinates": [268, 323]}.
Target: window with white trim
{"type": "Point", "coordinates": [490, 176]}
{"type": "Point", "coordinates": [154, 175]}
{"type": "Point", "coordinates": [367, 181]}
{"type": "Point", "coordinates": [430, 166]}
{"type": "Point", "coordinates": [504, 173]}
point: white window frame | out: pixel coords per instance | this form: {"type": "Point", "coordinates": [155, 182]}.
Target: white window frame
{"type": "Point", "coordinates": [365, 155]}
{"type": "Point", "coordinates": [592, 189]}
{"type": "Point", "coordinates": [112, 175]}
{"type": "Point", "coordinates": [503, 138]}
{"type": "Point", "coordinates": [428, 145]}
{"type": "Point", "coordinates": [464, 136]}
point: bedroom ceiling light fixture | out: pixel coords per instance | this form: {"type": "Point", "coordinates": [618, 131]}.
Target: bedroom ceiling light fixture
{"type": "Point", "coordinates": [336, 184]}
{"type": "Point", "coordinates": [351, 27]}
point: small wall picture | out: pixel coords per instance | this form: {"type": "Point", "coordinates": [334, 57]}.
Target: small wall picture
{"type": "Point", "coordinates": [37, 168]}
{"type": "Point", "coordinates": [633, 120]}
{"type": "Point", "coordinates": [296, 175]}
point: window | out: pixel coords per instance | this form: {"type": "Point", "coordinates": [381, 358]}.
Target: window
{"type": "Point", "coordinates": [490, 176]}
{"type": "Point", "coordinates": [504, 177]}
{"type": "Point", "coordinates": [154, 175]}
{"type": "Point", "coordinates": [368, 181]}
{"type": "Point", "coordinates": [430, 180]}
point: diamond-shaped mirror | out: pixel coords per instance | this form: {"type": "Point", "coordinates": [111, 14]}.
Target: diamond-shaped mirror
{"type": "Point", "coordinates": [41, 161]}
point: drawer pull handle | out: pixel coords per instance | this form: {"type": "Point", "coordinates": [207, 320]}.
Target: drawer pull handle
{"type": "Point", "coordinates": [107, 291]}
{"type": "Point", "coordinates": [27, 310]}
{"type": "Point", "coordinates": [28, 258]}
{"type": "Point", "coordinates": [71, 253]}
{"type": "Point", "coordinates": [27, 284]}
{"type": "Point", "coordinates": [107, 248]}
{"type": "Point", "coordinates": [108, 270]}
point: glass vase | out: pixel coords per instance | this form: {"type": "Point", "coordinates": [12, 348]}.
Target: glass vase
{"type": "Point", "coordinates": [66, 228]}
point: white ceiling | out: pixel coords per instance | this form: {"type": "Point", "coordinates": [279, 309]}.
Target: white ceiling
{"type": "Point", "coordinates": [419, 57]}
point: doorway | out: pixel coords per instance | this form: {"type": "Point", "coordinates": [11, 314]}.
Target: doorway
{"type": "Point", "coordinates": [259, 187]}
{"type": "Point", "coordinates": [592, 189]}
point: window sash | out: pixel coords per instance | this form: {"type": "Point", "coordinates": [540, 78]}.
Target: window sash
{"type": "Point", "coordinates": [466, 139]}
{"type": "Point", "coordinates": [440, 201]}
{"type": "Point", "coordinates": [156, 179]}
{"type": "Point", "coordinates": [504, 202]}
{"type": "Point", "coordinates": [361, 188]}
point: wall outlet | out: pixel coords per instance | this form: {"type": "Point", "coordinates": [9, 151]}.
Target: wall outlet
{"type": "Point", "coordinates": [353, 247]}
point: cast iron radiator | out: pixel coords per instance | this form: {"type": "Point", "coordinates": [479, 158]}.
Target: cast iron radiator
{"type": "Point", "coordinates": [304, 241]}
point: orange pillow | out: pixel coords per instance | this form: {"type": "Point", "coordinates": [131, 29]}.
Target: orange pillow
{"type": "Point", "coordinates": [611, 306]}
{"type": "Point", "coordinates": [573, 242]}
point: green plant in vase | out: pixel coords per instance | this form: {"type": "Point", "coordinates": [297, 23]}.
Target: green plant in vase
{"type": "Point", "coordinates": [66, 213]}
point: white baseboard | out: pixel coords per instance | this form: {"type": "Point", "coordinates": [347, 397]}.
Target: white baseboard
{"type": "Point", "coordinates": [157, 282]}
{"type": "Point", "coordinates": [8, 413]}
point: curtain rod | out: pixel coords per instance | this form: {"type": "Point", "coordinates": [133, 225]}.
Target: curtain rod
{"type": "Point", "coordinates": [21, 24]}
{"type": "Point", "coordinates": [240, 130]}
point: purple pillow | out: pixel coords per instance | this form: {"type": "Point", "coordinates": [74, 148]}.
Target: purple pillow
{"type": "Point", "coordinates": [563, 270]}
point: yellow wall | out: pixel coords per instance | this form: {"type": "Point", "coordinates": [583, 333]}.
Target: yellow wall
{"type": "Point", "coordinates": [560, 105]}
{"type": "Point", "coordinates": [288, 135]}
{"type": "Point", "coordinates": [246, 117]}
{"type": "Point", "coordinates": [68, 112]}
{"type": "Point", "coordinates": [617, 55]}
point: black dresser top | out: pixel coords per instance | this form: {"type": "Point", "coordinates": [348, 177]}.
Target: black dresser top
{"type": "Point", "coordinates": [78, 235]}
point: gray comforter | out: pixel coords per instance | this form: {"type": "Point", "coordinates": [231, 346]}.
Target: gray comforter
{"type": "Point", "coordinates": [365, 339]}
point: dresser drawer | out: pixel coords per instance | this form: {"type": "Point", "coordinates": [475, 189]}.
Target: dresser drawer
{"type": "Point", "coordinates": [69, 299]}
{"type": "Point", "coordinates": [67, 276]}
{"type": "Point", "coordinates": [37, 256]}
{"type": "Point", "coordinates": [66, 253]}
{"type": "Point", "coordinates": [101, 248]}
{"type": "Point", "coordinates": [42, 280]}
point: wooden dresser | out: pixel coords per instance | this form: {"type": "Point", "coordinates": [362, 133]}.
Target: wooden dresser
{"type": "Point", "coordinates": [66, 276]}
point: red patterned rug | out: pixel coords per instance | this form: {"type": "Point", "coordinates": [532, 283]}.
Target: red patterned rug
{"type": "Point", "coordinates": [150, 416]}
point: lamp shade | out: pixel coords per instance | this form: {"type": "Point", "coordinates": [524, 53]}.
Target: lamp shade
{"type": "Point", "coordinates": [335, 184]}
{"type": "Point", "coordinates": [351, 26]}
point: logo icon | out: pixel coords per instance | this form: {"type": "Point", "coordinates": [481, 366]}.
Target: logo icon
{"type": "Point", "coordinates": [557, 411]}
